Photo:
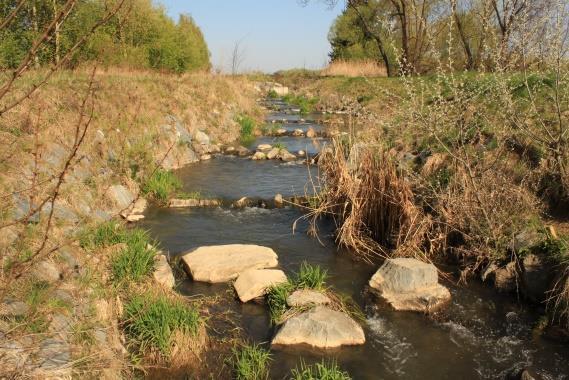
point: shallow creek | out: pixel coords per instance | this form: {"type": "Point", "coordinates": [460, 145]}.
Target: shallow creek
{"type": "Point", "coordinates": [481, 334]}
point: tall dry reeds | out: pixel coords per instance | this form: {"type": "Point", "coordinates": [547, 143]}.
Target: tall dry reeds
{"type": "Point", "coordinates": [352, 69]}
{"type": "Point", "coordinates": [370, 201]}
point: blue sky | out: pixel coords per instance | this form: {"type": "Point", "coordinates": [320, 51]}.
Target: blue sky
{"type": "Point", "coordinates": [275, 34]}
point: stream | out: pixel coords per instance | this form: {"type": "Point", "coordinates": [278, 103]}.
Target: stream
{"type": "Point", "coordinates": [480, 335]}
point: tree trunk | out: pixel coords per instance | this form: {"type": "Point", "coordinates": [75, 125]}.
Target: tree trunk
{"type": "Point", "coordinates": [56, 33]}
{"type": "Point", "coordinates": [465, 43]}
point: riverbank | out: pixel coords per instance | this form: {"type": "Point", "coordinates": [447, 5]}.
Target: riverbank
{"type": "Point", "coordinates": [464, 148]}
{"type": "Point", "coordinates": [105, 145]}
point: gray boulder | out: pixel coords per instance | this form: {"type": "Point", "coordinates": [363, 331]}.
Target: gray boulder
{"type": "Point", "coordinates": [120, 196]}
{"type": "Point", "coordinates": [320, 327]}
{"type": "Point", "coordinates": [409, 284]}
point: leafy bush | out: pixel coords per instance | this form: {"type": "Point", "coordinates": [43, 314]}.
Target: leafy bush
{"type": "Point", "coordinates": [319, 371]}
{"type": "Point", "coordinates": [161, 185]}
{"type": "Point", "coordinates": [151, 321]}
{"type": "Point", "coordinates": [251, 363]}
{"type": "Point", "coordinates": [136, 260]}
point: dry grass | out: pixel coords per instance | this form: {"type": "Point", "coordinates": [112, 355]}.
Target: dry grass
{"type": "Point", "coordinates": [370, 201]}
{"type": "Point", "coordinates": [353, 69]}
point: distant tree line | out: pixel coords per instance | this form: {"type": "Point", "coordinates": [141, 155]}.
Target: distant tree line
{"type": "Point", "coordinates": [412, 36]}
{"type": "Point", "coordinates": [139, 35]}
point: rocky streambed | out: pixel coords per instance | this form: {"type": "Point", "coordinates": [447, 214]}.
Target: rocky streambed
{"type": "Point", "coordinates": [469, 331]}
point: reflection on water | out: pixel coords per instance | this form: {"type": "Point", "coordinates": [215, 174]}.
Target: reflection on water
{"type": "Point", "coordinates": [481, 334]}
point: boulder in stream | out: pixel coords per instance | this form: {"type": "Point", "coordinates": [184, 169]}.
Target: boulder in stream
{"type": "Point", "coordinates": [264, 147]}
{"type": "Point", "coordinates": [254, 283]}
{"type": "Point", "coordinates": [307, 297]}
{"type": "Point", "coordinates": [311, 133]}
{"type": "Point", "coordinates": [223, 263]}
{"type": "Point", "coordinates": [320, 327]}
{"type": "Point", "coordinates": [259, 156]}
{"type": "Point", "coordinates": [409, 284]}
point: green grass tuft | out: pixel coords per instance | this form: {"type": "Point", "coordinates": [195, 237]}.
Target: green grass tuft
{"type": "Point", "coordinates": [161, 185]}
{"type": "Point", "coordinates": [151, 322]}
{"type": "Point", "coordinates": [103, 235]}
{"type": "Point", "coordinates": [311, 277]}
{"type": "Point", "coordinates": [251, 362]}
{"type": "Point", "coordinates": [247, 125]}
{"type": "Point", "coordinates": [276, 300]}
{"type": "Point", "coordinates": [136, 260]}
{"type": "Point", "coordinates": [319, 371]}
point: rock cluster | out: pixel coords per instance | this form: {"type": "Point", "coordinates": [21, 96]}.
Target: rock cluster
{"type": "Point", "coordinates": [223, 263]}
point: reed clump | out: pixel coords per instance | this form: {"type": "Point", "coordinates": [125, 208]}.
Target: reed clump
{"type": "Point", "coordinates": [370, 201]}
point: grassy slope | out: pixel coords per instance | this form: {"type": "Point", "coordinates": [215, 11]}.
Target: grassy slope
{"type": "Point", "coordinates": [129, 109]}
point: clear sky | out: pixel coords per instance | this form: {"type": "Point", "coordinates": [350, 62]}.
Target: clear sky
{"type": "Point", "coordinates": [275, 34]}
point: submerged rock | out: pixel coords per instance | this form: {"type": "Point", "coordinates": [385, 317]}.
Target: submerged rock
{"type": "Point", "coordinates": [307, 297]}
{"type": "Point", "coordinates": [163, 272]}
{"type": "Point", "coordinates": [320, 327]}
{"type": "Point", "coordinates": [409, 284]}
{"type": "Point", "coordinates": [253, 283]}
{"type": "Point", "coordinates": [222, 263]}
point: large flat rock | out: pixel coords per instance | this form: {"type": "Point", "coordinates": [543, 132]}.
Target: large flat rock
{"type": "Point", "coordinates": [409, 284]}
{"type": "Point", "coordinates": [320, 327]}
{"type": "Point", "coordinates": [254, 283]}
{"type": "Point", "coordinates": [223, 263]}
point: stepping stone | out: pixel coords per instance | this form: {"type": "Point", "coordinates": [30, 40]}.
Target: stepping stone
{"type": "Point", "coordinates": [254, 283]}
{"type": "Point", "coordinates": [163, 272]}
{"type": "Point", "coordinates": [223, 263]}
{"type": "Point", "coordinates": [409, 284]}
{"type": "Point", "coordinates": [320, 327]}
{"type": "Point", "coordinates": [307, 297]}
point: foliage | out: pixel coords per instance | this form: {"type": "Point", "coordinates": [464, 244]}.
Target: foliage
{"type": "Point", "coordinates": [308, 277]}
{"type": "Point", "coordinates": [276, 300]}
{"type": "Point", "coordinates": [251, 362]}
{"type": "Point", "coordinates": [103, 235]}
{"type": "Point", "coordinates": [140, 35]}
{"type": "Point", "coordinates": [319, 371]}
{"type": "Point", "coordinates": [136, 260]}
{"type": "Point", "coordinates": [311, 277]}
{"type": "Point", "coordinates": [247, 127]}
{"type": "Point", "coordinates": [161, 185]}
{"type": "Point", "coordinates": [305, 104]}
{"type": "Point", "coordinates": [151, 321]}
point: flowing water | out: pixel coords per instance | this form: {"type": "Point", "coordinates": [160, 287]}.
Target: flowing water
{"type": "Point", "coordinates": [481, 334]}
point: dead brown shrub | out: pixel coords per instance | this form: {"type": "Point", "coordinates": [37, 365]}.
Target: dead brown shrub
{"type": "Point", "coordinates": [370, 201]}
